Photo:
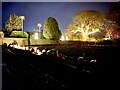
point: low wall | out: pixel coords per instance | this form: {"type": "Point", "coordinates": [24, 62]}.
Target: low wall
{"type": "Point", "coordinates": [24, 41]}
{"type": "Point", "coordinates": [20, 41]}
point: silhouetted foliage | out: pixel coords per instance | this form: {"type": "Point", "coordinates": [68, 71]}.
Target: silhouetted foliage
{"type": "Point", "coordinates": [6, 32]}
{"type": "Point", "coordinates": [114, 13]}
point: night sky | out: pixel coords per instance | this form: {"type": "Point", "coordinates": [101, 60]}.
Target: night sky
{"type": "Point", "coordinates": [35, 12]}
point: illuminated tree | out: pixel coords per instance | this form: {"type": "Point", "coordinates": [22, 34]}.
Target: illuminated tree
{"type": "Point", "coordinates": [113, 15]}
{"type": "Point", "coordinates": [83, 24]}
{"type": "Point", "coordinates": [51, 29]}
{"type": "Point", "coordinates": [109, 28]}
{"type": "Point", "coordinates": [14, 23]}
{"type": "Point", "coordinates": [89, 26]}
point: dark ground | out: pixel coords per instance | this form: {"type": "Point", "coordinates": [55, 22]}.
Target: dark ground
{"type": "Point", "coordinates": [22, 70]}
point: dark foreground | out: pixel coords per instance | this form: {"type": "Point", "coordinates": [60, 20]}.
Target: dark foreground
{"type": "Point", "coordinates": [22, 70]}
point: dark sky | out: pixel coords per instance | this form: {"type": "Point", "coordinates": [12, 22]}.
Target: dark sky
{"type": "Point", "coordinates": [63, 12]}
